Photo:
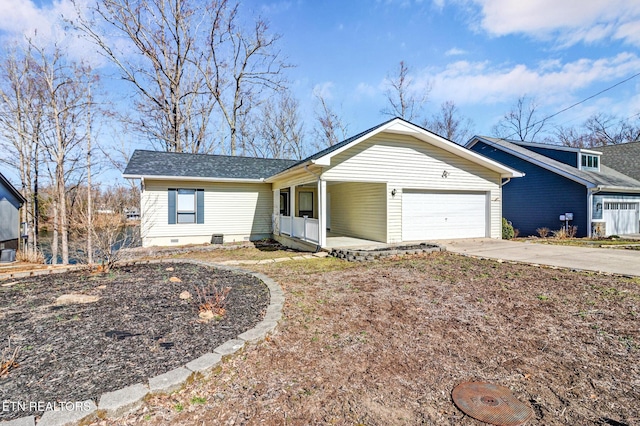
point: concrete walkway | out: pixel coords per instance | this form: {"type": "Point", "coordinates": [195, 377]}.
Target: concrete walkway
{"type": "Point", "coordinates": [616, 261]}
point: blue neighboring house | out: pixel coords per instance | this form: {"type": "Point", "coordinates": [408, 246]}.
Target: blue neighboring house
{"type": "Point", "coordinates": [558, 180]}
{"type": "Point", "coordinates": [11, 200]}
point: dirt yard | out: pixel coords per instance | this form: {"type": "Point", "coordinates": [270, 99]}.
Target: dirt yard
{"type": "Point", "coordinates": [384, 343]}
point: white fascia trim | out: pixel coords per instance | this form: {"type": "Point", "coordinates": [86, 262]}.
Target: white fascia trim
{"type": "Point", "coordinates": [533, 161]}
{"type": "Point", "coordinates": [193, 178]}
{"type": "Point", "coordinates": [402, 127]}
{"type": "Point", "coordinates": [618, 189]}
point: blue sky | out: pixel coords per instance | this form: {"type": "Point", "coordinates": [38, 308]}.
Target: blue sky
{"type": "Point", "coordinates": [480, 54]}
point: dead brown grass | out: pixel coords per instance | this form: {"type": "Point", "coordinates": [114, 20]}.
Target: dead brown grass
{"type": "Point", "coordinates": [385, 343]}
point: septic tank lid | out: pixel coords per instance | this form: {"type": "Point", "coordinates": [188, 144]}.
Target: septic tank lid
{"type": "Point", "coordinates": [491, 404]}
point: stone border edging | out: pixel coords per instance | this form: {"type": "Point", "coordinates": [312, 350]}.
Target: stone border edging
{"type": "Point", "coordinates": [123, 401]}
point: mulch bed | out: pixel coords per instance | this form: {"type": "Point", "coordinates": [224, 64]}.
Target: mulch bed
{"type": "Point", "coordinates": [139, 328]}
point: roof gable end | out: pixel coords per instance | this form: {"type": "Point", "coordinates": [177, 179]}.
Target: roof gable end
{"type": "Point", "coordinates": [5, 182]}
{"type": "Point", "coordinates": [400, 126]}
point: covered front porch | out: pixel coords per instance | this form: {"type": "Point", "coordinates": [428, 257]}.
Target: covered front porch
{"type": "Point", "coordinates": [330, 214]}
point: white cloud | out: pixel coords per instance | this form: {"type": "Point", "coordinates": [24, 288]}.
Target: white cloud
{"type": "Point", "coordinates": [567, 21]}
{"type": "Point", "coordinates": [455, 52]}
{"type": "Point", "coordinates": [553, 81]}
{"type": "Point", "coordinates": [325, 90]}
{"type": "Point", "coordinates": [366, 90]}
{"type": "Point", "coordinates": [24, 18]}
{"type": "Point", "coordinates": [46, 26]}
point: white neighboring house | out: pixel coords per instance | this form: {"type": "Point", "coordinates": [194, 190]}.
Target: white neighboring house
{"type": "Point", "coordinates": [393, 183]}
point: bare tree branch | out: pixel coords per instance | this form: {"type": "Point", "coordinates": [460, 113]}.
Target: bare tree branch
{"type": "Point", "coordinates": [403, 100]}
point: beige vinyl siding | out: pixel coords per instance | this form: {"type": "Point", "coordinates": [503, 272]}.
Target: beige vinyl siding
{"type": "Point", "coordinates": [405, 162]}
{"type": "Point", "coordinates": [359, 210]}
{"type": "Point", "coordinates": [299, 177]}
{"type": "Point", "coordinates": [240, 211]}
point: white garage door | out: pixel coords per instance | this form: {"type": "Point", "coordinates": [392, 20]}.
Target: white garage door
{"type": "Point", "coordinates": [621, 218]}
{"type": "Point", "coordinates": [438, 215]}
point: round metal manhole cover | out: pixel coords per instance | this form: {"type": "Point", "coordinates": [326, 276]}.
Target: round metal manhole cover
{"type": "Point", "coordinates": [491, 404]}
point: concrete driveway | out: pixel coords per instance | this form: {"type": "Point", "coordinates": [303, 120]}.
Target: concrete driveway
{"type": "Point", "coordinates": [617, 261]}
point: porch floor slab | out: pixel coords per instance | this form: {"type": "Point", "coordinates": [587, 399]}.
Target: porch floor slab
{"type": "Point", "coordinates": [352, 243]}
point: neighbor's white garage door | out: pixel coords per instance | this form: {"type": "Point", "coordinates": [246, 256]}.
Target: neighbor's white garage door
{"type": "Point", "coordinates": [621, 218]}
{"type": "Point", "coordinates": [438, 215]}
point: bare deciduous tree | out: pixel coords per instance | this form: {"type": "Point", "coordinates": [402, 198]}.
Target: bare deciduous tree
{"type": "Point", "coordinates": [450, 124]}
{"type": "Point", "coordinates": [187, 61]}
{"type": "Point", "coordinates": [243, 63]}
{"type": "Point", "coordinates": [404, 101]}
{"type": "Point", "coordinates": [329, 129]}
{"type": "Point", "coordinates": [605, 129]}
{"type": "Point", "coordinates": [64, 91]}
{"type": "Point", "coordinates": [571, 136]}
{"type": "Point", "coordinates": [522, 122]}
{"type": "Point", "coordinates": [599, 130]}
{"type": "Point", "coordinates": [21, 121]}
{"type": "Point", "coordinates": [280, 132]}
{"type": "Point", "coordinates": [160, 59]}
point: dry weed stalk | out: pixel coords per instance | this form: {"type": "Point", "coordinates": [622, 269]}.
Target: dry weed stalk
{"type": "Point", "coordinates": [543, 232]}
{"type": "Point", "coordinates": [8, 361]}
{"type": "Point", "coordinates": [560, 234]}
{"type": "Point", "coordinates": [211, 299]}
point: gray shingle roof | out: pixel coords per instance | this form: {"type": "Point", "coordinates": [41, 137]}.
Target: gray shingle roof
{"type": "Point", "coordinates": [624, 157]}
{"type": "Point", "coordinates": [157, 163]}
{"type": "Point", "coordinates": [606, 177]}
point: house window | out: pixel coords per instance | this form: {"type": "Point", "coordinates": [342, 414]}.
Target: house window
{"type": "Point", "coordinates": [186, 205]}
{"type": "Point", "coordinates": [284, 203]}
{"type": "Point", "coordinates": [306, 204]}
{"type": "Point", "coordinates": [589, 162]}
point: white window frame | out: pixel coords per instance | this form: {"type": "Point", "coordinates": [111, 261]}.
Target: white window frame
{"type": "Point", "coordinates": [186, 209]}
{"type": "Point", "coordinates": [586, 158]}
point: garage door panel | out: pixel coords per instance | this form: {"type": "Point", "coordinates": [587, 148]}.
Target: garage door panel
{"type": "Point", "coordinates": [621, 217]}
{"type": "Point", "coordinates": [437, 215]}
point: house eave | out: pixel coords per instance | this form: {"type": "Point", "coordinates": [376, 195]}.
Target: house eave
{"type": "Point", "coordinates": [617, 189]}
{"type": "Point", "coordinates": [192, 178]}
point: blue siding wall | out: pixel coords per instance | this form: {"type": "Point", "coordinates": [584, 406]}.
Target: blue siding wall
{"type": "Point", "coordinates": [540, 197]}
{"type": "Point", "coordinates": [566, 157]}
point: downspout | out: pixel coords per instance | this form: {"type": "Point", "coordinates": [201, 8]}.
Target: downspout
{"type": "Point", "coordinates": [319, 178]}
{"type": "Point", "coordinates": [505, 182]}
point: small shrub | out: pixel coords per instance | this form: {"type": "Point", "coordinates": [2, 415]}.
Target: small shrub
{"type": "Point", "coordinates": [543, 232]}
{"type": "Point", "coordinates": [507, 230]}
{"type": "Point", "coordinates": [516, 232]}
{"type": "Point", "coordinates": [572, 231]}
{"type": "Point", "coordinates": [211, 299]}
{"type": "Point", "coordinates": [560, 234]}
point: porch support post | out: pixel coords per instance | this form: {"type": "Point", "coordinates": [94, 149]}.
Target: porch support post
{"type": "Point", "coordinates": [322, 213]}
{"type": "Point", "coordinates": [292, 206]}
{"type": "Point", "coordinates": [276, 212]}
